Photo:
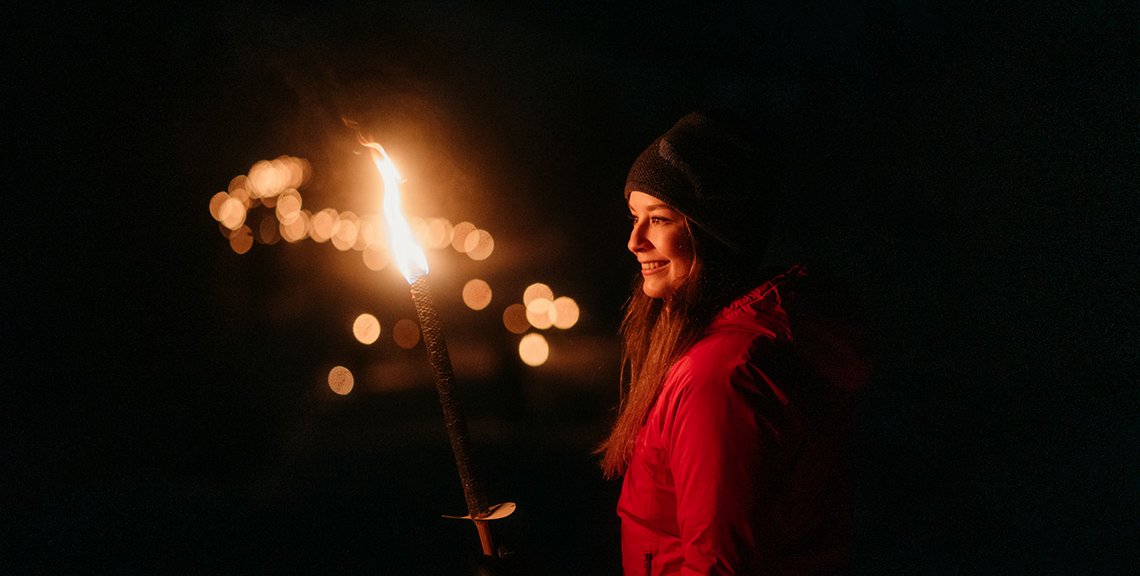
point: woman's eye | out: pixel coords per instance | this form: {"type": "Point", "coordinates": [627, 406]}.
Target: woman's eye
{"type": "Point", "coordinates": [633, 219]}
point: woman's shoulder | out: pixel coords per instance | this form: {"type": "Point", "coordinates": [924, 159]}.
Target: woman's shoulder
{"type": "Point", "coordinates": [715, 360]}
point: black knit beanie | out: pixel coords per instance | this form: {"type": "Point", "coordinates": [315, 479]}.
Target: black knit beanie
{"type": "Point", "coordinates": [706, 168]}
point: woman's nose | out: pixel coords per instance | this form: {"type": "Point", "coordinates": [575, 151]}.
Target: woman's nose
{"type": "Point", "coordinates": [637, 241]}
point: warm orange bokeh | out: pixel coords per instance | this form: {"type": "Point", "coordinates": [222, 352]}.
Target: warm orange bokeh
{"type": "Point", "coordinates": [534, 350]}
{"type": "Point", "coordinates": [341, 380]}
{"type": "Point", "coordinates": [540, 313]}
{"type": "Point", "coordinates": [477, 294]}
{"type": "Point", "coordinates": [406, 333]}
{"type": "Point", "coordinates": [566, 312]}
{"type": "Point", "coordinates": [514, 319]}
{"type": "Point", "coordinates": [366, 329]}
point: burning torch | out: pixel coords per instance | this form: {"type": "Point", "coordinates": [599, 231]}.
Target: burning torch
{"type": "Point", "coordinates": [410, 259]}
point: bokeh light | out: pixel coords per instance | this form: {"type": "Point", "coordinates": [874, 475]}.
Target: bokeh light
{"type": "Point", "coordinates": [263, 179]}
{"type": "Point", "coordinates": [268, 178]}
{"type": "Point", "coordinates": [376, 257]}
{"type": "Point", "coordinates": [324, 225]}
{"type": "Point", "coordinates": [565, 312]}
{"type": "Point", "coordinates": [242, 195]}
{"type": "Point", "coordinates": [406, 333]}
{"type": "Point", "coordinates": [346, 229]}
{"type": "Point", "coordinates": [366, 235]}
{"type": "Point", "coordinates": [459, 235]}
{"type": "Point", "coordinates": [366, 328]}
{"type": "Point", "coordinates": [537, 290]}
{"type": "Point", "coordinates": [267, 230]}
{"type": "Point", "coordinates": [479, 245]}
{"type": "Point", "coordinates": [241, 240]}
{"type": "Point", "coordinates": [293, 171]}
{"type": "Point", "coordinates": [288, 206]}
{"type": "Point", "coordinates": [372, 230]}
{"type": "Point", "coordinates": [534, 350]}
{"type": "Point", "coordinates": [341, 380]}
{"type": "Point", "coordinates": [297, 229]}
{"type": "Point", "coordinates": [270, 201]}
{"type": "Point", "coordinates": [540, 313]}
{"type": "Point", "coordinates": [231, 213]}
{"type": "Point", "coordinates": [236, 182]}
{"type": "Point", "coordinates": [438, 233]}
{"type": "Point", "coordinates": [514, 319]}
{"type": "Point", "coordinates": [216, 204]}
{"type": "Point", "coordinates": [477, 294]}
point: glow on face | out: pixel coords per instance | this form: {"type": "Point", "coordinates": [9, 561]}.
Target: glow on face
{"type": "Point", "coordinates": [660, 240]}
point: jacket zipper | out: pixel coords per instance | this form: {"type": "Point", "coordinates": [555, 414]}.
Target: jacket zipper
{"type": "Point", "coordinates": [648, 564]}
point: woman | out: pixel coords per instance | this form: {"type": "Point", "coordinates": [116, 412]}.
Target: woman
{"type": "Point", "coordinates": [731, 444]}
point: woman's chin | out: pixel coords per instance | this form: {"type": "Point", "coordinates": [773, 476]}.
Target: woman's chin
{"type": "Point", "coordinates": [653, 291]}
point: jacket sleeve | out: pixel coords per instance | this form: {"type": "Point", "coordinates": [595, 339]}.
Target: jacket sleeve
{"type": "Point", "coordinates": [721, 432]}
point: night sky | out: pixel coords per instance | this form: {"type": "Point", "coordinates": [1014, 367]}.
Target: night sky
{"type": "Point", "coordinates": [968, 172]}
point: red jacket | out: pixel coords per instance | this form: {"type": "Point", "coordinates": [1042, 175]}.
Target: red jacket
{"type": "Point", "coordinates": [740, 468]}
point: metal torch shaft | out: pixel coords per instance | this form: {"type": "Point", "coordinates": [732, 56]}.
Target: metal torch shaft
{"type": "Point", "coordinates": [452, 415]}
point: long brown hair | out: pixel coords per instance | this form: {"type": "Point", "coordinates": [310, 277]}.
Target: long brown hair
{"type": "Point", "coordinates": [657, 331]}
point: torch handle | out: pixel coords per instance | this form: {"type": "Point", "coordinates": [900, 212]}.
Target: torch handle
{"type": "Point", "coordinates": [452, 415]}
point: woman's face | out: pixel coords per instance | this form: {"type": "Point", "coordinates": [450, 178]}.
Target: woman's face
{"type": "Point", "coordinates": [660, 240]}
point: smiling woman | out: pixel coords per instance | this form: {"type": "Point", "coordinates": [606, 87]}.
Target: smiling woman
{"type": "Point", "coordinates": [728, 465]}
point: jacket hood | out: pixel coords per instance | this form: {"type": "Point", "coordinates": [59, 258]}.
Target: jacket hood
{"type": "Point", "coordinates": [787, 309]}
{"type": "Point", "coordinates": [762, 309]}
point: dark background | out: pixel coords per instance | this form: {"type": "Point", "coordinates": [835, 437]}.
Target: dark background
{"type": "Point", "coordinates": [968, 170]}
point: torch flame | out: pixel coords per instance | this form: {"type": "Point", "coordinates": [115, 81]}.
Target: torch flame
{"type": "Point", "coordinates": [408, 255]}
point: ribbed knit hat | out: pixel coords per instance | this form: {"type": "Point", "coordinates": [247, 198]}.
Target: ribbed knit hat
{"type": "Point", "coordinates": [707, 169]}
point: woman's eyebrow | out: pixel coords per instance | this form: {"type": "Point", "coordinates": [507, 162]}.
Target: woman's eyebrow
{"type": "Point", "coordinates": [652, 207]}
